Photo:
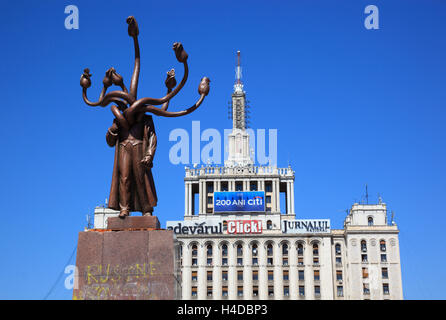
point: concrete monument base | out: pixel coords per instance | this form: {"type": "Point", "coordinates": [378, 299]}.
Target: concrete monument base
{"type": "Point", "coordinates": [130, 259]}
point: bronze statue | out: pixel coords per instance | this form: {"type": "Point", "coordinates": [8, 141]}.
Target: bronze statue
{"type": "Point", "coordinates": [133, 132]}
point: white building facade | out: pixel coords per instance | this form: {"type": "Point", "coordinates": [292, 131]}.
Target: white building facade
{"type": "Point", "coordinates": [235, 243]}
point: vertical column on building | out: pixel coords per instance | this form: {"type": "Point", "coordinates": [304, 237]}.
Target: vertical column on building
{"type": "Point", "coordinates": [186, 193]}
{"type": "Point", "coordinates": [216, 276]}
{"type": "Point", "coordinates": [326, 269]}
{"type": "Point", "coordinates": [191, 200]}
{"type": "Point", "coordinates": [232, 276]}
{"type": "Point", "coordinates": [200, 197]}
{"type": "Point", "coordinates": [273, 195]}
{"type": "Point", "coordinates": [292, 197]}
{"type": "Point", "coordinates": [202, 277]}
{"type": "Point", "coordinates": [277, 194]}
{"type": "Point", "coordinates": [288, 198]}
{"type": "Point", "coordinates": [261, 183]}
{"type": "Point", "coordinates": [186, 272]}
{"type": "Point", "coordinates": [247, 271]}
{"type": "Point", "coordinates": [205, 197]}
{"type": "Point", "coordinates": [309, 276]}
{"type": "Point", "coordinates": [263, 276]}
{"type": "Point", "coordinates": [292, 254]}
{"type": "Point", "coordinates": [278, 271]}
{"type": "Point", "coordinates": [217, 185]}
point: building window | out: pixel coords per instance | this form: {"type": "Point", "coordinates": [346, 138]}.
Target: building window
{"type": "Point", "coordinates": [317, 276]}
{"type": "Point", "coordinates": [317, 291]}
{"type": "Point", "coordinates": [240, 291]}
{"type": "Point", "coordinates": [338, 248]}
{"type": "Point", "coordinates": [239, 261]}
{"type": "Point", "coordinates": [209, 261]}
{"type": "Point", "coordinates": [285, 249]}
{"type": "Point", "coordinates": [316, 260]}
{"type": "Point", "coordinates": [363, 246]}
{"type": "Point", "coordinates": [370, 221]}
{"type": "Point", "coordinates": [209, 291]}
{"type": "Point", "coordinates": [209, 276]}
{"type": "Point", "coordinates": [301, 275]}
{"type": "Point", "coordinates": [224, 261]}
{"type": "Point", "coordinates": [300, 249]}
{"type": "Point", "coordinates": [194, 250]}
{"type": "Point", "coordinates": [383, 257]}
{"type": "Point", "coordinates": [339, 275]}
{"type": "Point", "coordinates": [224, 186]}
{"type": "Point", "coordinates": [239, 186]}
{"type": "Point", "coordinates": [285, 261]}
{"type": "Point", "coordinates": [255, 291]}
{"type": "Point", "coordinates": [300, 261]}
{"type": "Point", "coordinates": [224, 291]}
{"type": "Point", "coordinates": [268, 199]}
{"type": "Point", "coordinates": [382, 245]}
{"type": "Point", "coordinates": [270, 275]}
{"type": "Point", "coordinates": [255, 275]}
{"type": "Point", "coordinates": [253, 186]}
{"type": "Point", "coordinates": [224, 250]}
{"type": "Point", "coordinates": [301, 291]}
{"type": "Point", "coordinates": [239, 275]}
{"type": "Point", "coordinates": [194, 261]}
{"type": "Point", "coordinates": [385, 273]}
{"type": "Point", "coordinates": [286, 275]}
{"type": "Point", "coordinates": [364, 258]}
{"type": "Point", "coordinates": [269, 250]}
{"type": "Point", "coordinates": [365, 273]}
{"type": "Point", "coordinates": [254, 250]}
{"type": "Point", "coordinates": [255, 262]}
{"type": "Point", "coordinates": [268, 186]}
{"type": "Point", "coordinates": [315, 249]}
{"type": "Point", "coordinates": [209, 250]}
{"type": "Point", "coordinates": [224, 275]}
{"type": "Point", "coordinates": [210, 200]}
{"type": "Point", "coordinates": [225, 225]}
{"type": "Point", "coordinates": [286, 291]}
{"type": "Point", "coordinates": [340, 291]}
{"type": "Point", "coordinates": [270, 291]}
{"type": "Point", "coordinates": [210, 187]}
{"type": "Point", "coordinates": [338, 261]}
{"type": "Point", "coordinates": [239, 250]}
{"type": "Point", "coordinates": [386, 288]}
{"type": "Point", "coordinates": [365, 288]}
{"type": "Point", "coordinates": [194, 276]}
{"type": "Point", "coordinates": [269, 225]}
{"type": "Point", "coordinates": [269, 261]}
{"type": "Point", "coordinates": [194, 291]}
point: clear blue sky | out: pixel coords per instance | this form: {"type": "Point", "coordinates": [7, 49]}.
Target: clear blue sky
{"type": "Point", "coordinates": [352, 106]}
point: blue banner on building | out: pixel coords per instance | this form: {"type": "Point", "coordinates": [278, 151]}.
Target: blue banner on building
{"type": "Point", "coordinates": [251, 201]}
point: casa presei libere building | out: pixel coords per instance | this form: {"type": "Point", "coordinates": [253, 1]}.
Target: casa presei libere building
{"type": "Point", "coordinates": [235, 243]}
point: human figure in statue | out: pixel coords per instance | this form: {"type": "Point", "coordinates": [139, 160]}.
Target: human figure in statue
{"type": "Point", "coordinates": [132, 187]}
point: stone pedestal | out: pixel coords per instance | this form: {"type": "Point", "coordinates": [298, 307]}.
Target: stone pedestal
{"type": "Point", "coordinates": [130, 259]}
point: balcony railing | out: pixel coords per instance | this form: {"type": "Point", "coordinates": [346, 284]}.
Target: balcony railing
{"type": "Point", "coordinates": [218, 171]}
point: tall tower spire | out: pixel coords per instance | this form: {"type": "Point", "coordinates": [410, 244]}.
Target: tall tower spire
{"type": "Point", "coordinates": [239, 153]}
{"type": "Point", "coordinates": [238, 86]}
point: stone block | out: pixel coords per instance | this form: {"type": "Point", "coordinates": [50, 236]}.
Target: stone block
{"type": "Point", "coordinates": [126, 265]}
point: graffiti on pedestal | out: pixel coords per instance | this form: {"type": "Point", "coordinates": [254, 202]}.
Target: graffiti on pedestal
{"type": "Point", "coordinates": [113, 281]}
